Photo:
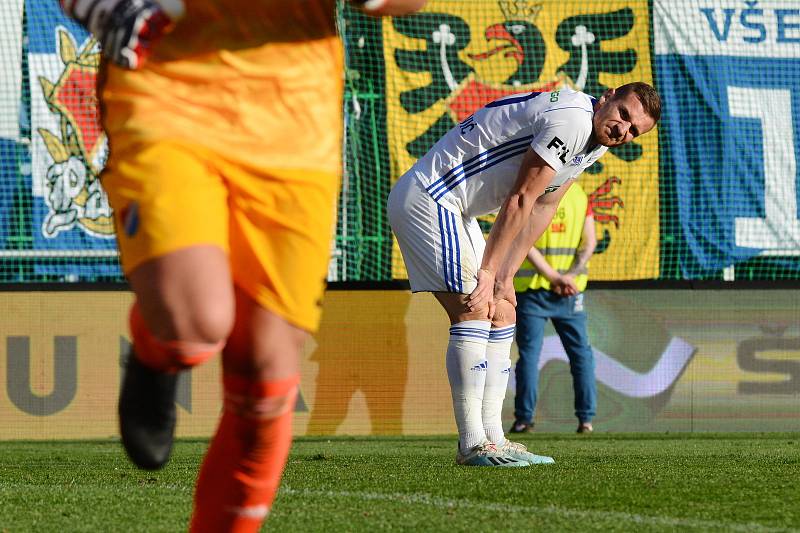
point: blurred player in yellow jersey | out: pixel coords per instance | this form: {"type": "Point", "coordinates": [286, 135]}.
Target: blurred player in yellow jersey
{"type": "Point", "coordinates": [225, 134]}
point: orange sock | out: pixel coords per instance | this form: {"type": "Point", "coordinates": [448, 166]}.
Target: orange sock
{"type": "Point", "coordinates": [243, 466]}
{"type": "Point", "coordinates": [167, 356]}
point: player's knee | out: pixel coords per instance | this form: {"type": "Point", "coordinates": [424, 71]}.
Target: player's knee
{"type": "Point", "coordinates": [197, 338]}
{"type": "Point", "coordinates": [202, 336]}
{"type": "Point", "coordinates": [199, 320]}
{"type": "Point", "coordinates": [191, 320]}
{"type": "Point", "coordinates": [180, 348]}
{"type": "Point", "coordinates": [210, 323]}
{"type": "Point", "coordinates": [504, 314]}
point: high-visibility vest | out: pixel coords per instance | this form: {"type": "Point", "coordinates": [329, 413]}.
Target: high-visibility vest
{"type": "Point", "coordinates": [559, 244]}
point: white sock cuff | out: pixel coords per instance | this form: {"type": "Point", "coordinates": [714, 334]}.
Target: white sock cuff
{"type": "Point", "coordinates": [504, 334]}
{"type": "Point", "coordinates": [470, 330]}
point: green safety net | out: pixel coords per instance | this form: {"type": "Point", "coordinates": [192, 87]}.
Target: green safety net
{"type": "Point", "coordinates": [709, 195]}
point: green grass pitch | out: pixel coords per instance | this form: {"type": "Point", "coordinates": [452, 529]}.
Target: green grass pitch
{"type": "Point", "coordinates": [602, 482]}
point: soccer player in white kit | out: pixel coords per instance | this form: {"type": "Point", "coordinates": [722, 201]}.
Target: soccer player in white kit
{"type": "Point", "coordinates": [517, 155]}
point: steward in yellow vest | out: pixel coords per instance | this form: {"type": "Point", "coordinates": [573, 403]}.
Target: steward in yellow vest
{"type": "Point", "coordinates": [549, 286]}
{"type": "Point", "coordinates": [559, 245]}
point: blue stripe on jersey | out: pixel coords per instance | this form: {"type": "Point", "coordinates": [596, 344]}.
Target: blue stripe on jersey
{"type": "Point", "coordinates": [443, 236]}
{"type": "Point", "coordinates": [451, 250]}
{"type": "Point", "coordinates": [485, 165]}
{"type": "Point", "coordinates": [458, 257]}
{"type": "Point", "coordinates": [449, 265]}
{"type": "Point", "coordinates": [514, 100]}
{"type": "Point", "coordinates": [457, 177]}
{"type": "Point", "coordinates": [453, 172]}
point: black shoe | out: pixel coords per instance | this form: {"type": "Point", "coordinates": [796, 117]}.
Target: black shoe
{"type": "Point", "coordinates": [521, 427]}
{"type": "Point", "coordinates": [147, 414]}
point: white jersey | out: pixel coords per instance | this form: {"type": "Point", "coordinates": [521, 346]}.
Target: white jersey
{"type": "Point", "coordinates": [473, 167]}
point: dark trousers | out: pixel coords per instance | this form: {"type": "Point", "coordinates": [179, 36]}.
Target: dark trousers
{"type": "Point", "coordinates": [534, 308]}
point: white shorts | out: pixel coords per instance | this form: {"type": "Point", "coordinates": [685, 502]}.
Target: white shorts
{"type": "Point", "coordinates": [442, 250]}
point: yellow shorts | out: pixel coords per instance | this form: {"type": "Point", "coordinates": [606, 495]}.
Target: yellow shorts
{"type": "Point", "coordinates": [276, 225]}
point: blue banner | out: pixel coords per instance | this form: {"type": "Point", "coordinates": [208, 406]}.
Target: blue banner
{"type": "Point", "coordinates": [730, 81]}
{"type": "Point", "coordinates": [71, 217]}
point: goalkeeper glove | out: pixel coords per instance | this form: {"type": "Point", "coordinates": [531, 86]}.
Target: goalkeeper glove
{"type": "Point", "coordinates": [126, 29]}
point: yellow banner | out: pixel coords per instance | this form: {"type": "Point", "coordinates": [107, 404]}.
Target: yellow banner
{"type": "Point", "coordinates": [456, 56]}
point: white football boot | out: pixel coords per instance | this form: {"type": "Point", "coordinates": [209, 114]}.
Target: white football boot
{"type": "Point", "coordinates": [520, 452]}
{"type": "Point", "coordinates": [487, 454]}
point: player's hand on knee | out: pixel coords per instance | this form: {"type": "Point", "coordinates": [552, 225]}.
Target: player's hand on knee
{"type": "Point", "coordinates": [504, 290]}
{"type": "Point", "coordinates": [126, 29]}
{"type": "Point", "coordinates": [492, 309]}
{"type": "Point", "coordinates": [483, 294]}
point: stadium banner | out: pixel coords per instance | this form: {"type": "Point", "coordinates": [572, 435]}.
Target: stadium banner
{"type": "Point", "coordinates": [454, 57]}
{"type": "Point", "coordinates": [728, 73]}
{"type": "Point", "coordinates": [10, 99]}
{"type": "Point", "coordinates": [71, 213]}
{"type": "Point", "coordinates": [666, 360]}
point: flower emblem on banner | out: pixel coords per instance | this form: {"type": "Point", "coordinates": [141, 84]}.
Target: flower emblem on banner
{"type": "Point", "coordinates": [79, 148]}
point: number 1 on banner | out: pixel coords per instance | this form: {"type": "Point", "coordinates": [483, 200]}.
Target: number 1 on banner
{"type": "Point", "coordinates": [779, 230]}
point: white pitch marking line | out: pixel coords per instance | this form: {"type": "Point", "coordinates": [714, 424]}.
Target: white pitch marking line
{"type": "Point", "coordinates": [444, 503]}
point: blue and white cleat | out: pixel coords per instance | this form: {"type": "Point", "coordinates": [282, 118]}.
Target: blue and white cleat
{"type": "Point", "coordinates": [520, 452]}
{"type": "Point", "coordinates": [487, 454]}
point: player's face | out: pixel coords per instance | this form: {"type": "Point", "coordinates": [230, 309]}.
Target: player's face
{"type": "Point", "coordinates": [618, 120]}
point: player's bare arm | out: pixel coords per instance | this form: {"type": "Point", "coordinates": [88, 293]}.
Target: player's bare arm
{"type": "Point", "coordinates": [544, 209]}
{"type": "Point", "coordinates": [542, 266]}
{"type": "Point", "coordinates": [533, 178]}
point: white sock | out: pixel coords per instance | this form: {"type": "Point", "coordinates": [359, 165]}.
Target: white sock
{"type": "Point", "coordinates": [498, 357]}
{"type": "Point", "coordinates": [466, 370]}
